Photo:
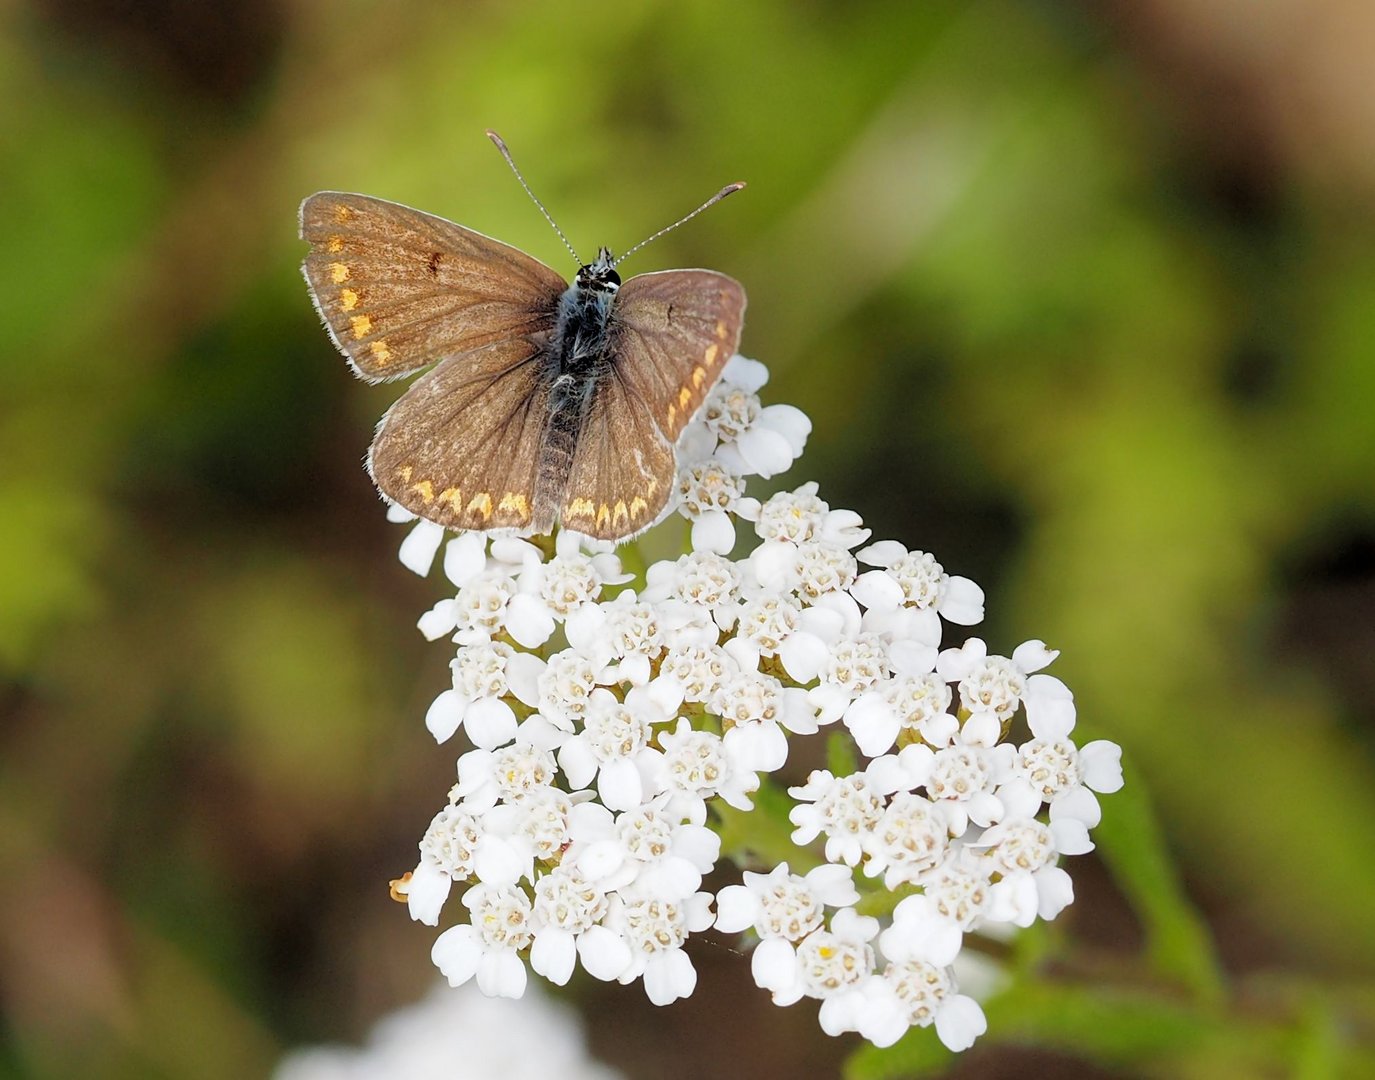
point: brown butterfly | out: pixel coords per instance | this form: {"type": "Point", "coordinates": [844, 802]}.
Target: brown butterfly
{"type": "Point", "coordinates": [550, 401]}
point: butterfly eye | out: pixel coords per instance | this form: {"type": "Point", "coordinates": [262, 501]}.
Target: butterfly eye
{"type": "Point", "coordinates": [612, 277]}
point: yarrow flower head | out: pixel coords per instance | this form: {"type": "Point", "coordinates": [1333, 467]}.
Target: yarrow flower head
{"type": "Point", "coordinates": [623, 724]}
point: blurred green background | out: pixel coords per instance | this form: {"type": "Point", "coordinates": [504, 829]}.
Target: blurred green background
{"type": "Point", "coordinates": [1081, 297]}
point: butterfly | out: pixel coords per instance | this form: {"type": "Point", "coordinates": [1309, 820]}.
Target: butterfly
{"type": "Point", "coordinates": [548, 401]}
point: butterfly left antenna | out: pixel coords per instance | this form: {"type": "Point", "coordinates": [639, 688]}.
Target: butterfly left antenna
{"type": "Point", "coordinates": [501, 145]}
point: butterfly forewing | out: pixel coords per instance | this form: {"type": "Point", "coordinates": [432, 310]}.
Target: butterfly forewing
{"type": "Point", "coordinates": [400, 289]}
{"type": "Point", "coordinates": [461, 446]}
{"type": "Point", "coordinates": [671, 334]}
{"type": "Point", "coordinates": [622, 471]}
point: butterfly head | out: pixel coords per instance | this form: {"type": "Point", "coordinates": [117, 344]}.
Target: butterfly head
{"type": "Point", "coordinates": [600, 275]}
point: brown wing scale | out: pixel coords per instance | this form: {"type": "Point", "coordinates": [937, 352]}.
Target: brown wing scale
{"type": "Point", "coordinates": [672, 333]}
{"type": "Point", "coordinates": [399, 289]}
{"type": "Point", "coordinates": [461, 446]}
{"type": "Point", "coordinates": [623, 468]}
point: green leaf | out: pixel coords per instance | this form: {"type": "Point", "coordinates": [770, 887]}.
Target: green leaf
{"type": "Point", "coordinates": [1131, 844]}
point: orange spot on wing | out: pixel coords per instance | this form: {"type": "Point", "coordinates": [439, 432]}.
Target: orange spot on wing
{"type": "Point", "coordinates": [482, 503]}
{"type": "Point", "coordinates": [334, 245]}
{"type": "Point", "coordinates": [338, 272]}
{"type": "Point", "coordinates": [514, 501]}
{"type": "Point", "coordinates": [361, 325]}
{"type": "Point", "coordinates": [380, 353]}
{"type": "Point", "coordinates": [348, 299]}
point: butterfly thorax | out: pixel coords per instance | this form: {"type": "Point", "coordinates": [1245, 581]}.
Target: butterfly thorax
{"type": "Point", "coordinates": [584, 309]}
{"type": "Point", "coordinates": [576, 359]}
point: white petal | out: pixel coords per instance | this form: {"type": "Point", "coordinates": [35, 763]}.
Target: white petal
{"type": "Point", "coordinates": [1049, 707]}
{"type": "Point", "coordinates": [875, 589]}
{"type": "Point", "coordinates": [798, 714]}
{"type": "Point", "coordinates": [955, 664]}
{"type": "Point", "coordinates": [765, 452]}
{"type": "Point", "coordinates": [445, 714]}
{"type": "Point", "coordinates": [696, 443]}
{"type": "Point", "coordinates": [959, 1021]}
{"type": "Point", "coordinates": [713, 531]}
{"type": "Point", "coordinates": [619, 785]}
{"type": "Point", "coordinates": [522, 677]}
{"type": "Point", "coordinates": [1100, 763]}
{"type": "Point", "coordinates": [542, 733]}
{"type": "Point", "coordinates": [577, 761]}
{"type": "Point", "coordinates": [1020, 799]}
{"type": "Point", "coordinates": [439, 620]}
{"type": "Point", "coordinates": [882, 553]}
{"type": "Point", "coordinates": [842, 1013]}
{"type": "Point", "coordinates": [984, 809]}
{"type": "Point", "coordinates": [1033, 655]}
{"type": "Point", "coordinates": [828, 624]}
{"type": "Point", "coordinates": [501, 974]}
{"type": "Point", "coordinates": [1054, 891]}
{"type": "Point", "coordinates": [883, 1020]}
{"type": "Point", "coordinates": [1013, 900]}
{"type": "Point", "coordinates": [465, 556]}
{"type": "Point", "coordinates": [498, 862]}
{"type": "Point", "coordinates": [774, 965]}
{"type": "Point", "coordinates": [760, 746]}
{"type": "Point", "coordinates": [604, 954]}
{"type": "Point", "coordinates": [873, 723]}
{"type": "Point", "coordinates": [426, 892]}
{"type": "Point", "coordinates": [830, 702]}
{"type": "Point", "coordinates": [666, 694]}
{"type": "Point", "coordinates": [553, 955]}
{"type": "Point", "coordinates": [515, 551]}
{"type": "Point", "coordinates": [1079, 803]}
{"type": "Point", "coordinates": [736, 909]}
{"type": "Point", "coordinates": [489, 722]}
{"type": "Point", "coordinates": [963, 603]}
{"type": "Point", "coordinates": [418, 549]}
{"type": "Point", "coordinates": [844, 605]}
{"type": "Point", "coordinates": [456, 953]}
{"type": "Point", "coordinates": [1071, 836]}
{"type": "Point", "coordinates": [983, 728]}
{"type": "Point", "coordinates": [832, 885]}
{"type": "Point", "coordinates": [802, 655]}
{"type": "Point", "coordinates": [773, 563]}
{"type": "Point", "coordinates": [634, 669]}
{"type": "Point", "coordinates": [698, 844]}
{"type": "Point", "coordinates": [529, 620]}
{"type": "Point", "coordinates": [398, 514]}
{"type": "Point", "coordinates": [790, 422]}
{"type": "Point", "coordinates": [886, 775]}
{"type": "Point", "coordinates": [669, 976]}
{"type": "Point", "coordinates": [583, 629]}
{"type": "Point", "coordinates": [745, 373]}
{"type": "Point", "coordinates": [600, 860]}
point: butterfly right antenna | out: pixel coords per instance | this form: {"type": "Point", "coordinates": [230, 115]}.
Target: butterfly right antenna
{"type": "Point", "coordinates": [501, 145]}
{"type": "Point", "coordinates": [729, 189]}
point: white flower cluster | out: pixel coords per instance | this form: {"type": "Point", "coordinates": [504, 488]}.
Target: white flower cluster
{"type": "Point", "coordinates": [608, 720]}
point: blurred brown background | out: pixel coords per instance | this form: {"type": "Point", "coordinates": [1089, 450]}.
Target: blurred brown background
{"type": "Point", "coordinates": [1081, 297]}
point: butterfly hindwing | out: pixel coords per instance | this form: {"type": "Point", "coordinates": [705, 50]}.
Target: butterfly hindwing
{"type": "Point", "coordinates": [400, 289]}
{"type": "Point", "coordinates": [622, 471]}
{"type": "Point", "coordinates": [671, 334]}
{"type": "Point", "coordinates": [461, 447]}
